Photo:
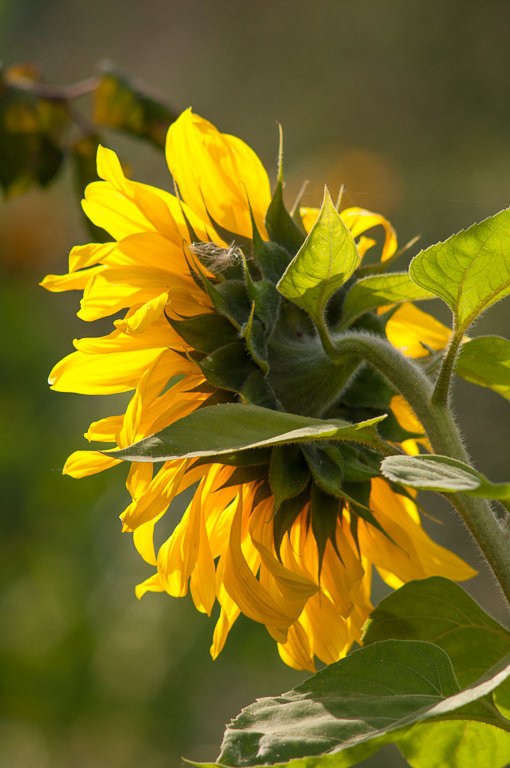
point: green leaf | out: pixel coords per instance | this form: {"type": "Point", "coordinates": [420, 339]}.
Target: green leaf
{"type": "Point", "coordinates": [374, 696]}
{"type": "Point", "coordinates": [486, 361]}
{"type": "Point", "coordinates": [470, 271]}
{"type": "Point", "coordinates": [439, 611]}
{"type": "Point", "coordinates": [325, 261]}
{"type": "Point", "coordinates": [225, 428]}
{"type": "Point", "coordinates": [440, 473]}
{"type": "Point", "coordinates": [370, 293]}
{"type": "Point", "coordinates": [31, 132]}
{"type": "Point", "coordinates": [463, 744]}
{"type": "Point", "coordinates": [126, 104]}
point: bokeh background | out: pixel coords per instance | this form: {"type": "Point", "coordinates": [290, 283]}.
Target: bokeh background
{"type": "Point", "coordinates": [408, 105]}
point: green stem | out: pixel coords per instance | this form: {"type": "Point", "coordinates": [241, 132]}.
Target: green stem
{"type": "Point", "coordinates": [442, 388]}
{"type": "Point", "coordinates": [490, 531]}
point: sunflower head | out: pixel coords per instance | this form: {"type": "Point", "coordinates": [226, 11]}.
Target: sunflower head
{"type": "Point", "coordinates": [236, 395]}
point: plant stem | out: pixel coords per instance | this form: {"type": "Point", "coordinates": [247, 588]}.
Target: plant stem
{"type": "Point", "coordinates": [490, 531]}
{"type": "Point", "coordinates": [442, 388]}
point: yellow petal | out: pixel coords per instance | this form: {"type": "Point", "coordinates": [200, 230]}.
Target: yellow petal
{"type": "Point", "coordinates": [217, 173]}
{"type": "Point", "coordinates": [73, 281]}
{"type": "Point", "coordinates": [325, 628]}
{"type": "Point", "coordinates": [409, 326]}
{"type": "Point", "coordinates": [202, 581]}
{"type": "Point", "coordinates": [244, 588]}
{"type": "Point", "coordinates": [227, 617]}
{"type": "Point", "coordinates": [296, 651]}
{"type": "Point", "coordinates": [358, 220]}
{"type": "Point", "coordinates": [152, 584]}
{"type": "Point", "coordinates": [111, 210]}
{"type": "Point", "coordinates": [105, 430]}
{"type": "Point", "coordinates": [143, 539]}
{"type": "Point", "coordinates": [83, 256]}
{"type": "Point", "coordinates": [104, 374]}
{"type": "Point", "coordinates": [84, 463]}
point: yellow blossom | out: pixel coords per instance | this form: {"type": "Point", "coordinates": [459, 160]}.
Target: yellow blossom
{"type": "Point", "coordinates": [230, 545]}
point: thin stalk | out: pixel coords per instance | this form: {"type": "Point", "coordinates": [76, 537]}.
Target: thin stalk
{"type": "Point", "coordinates": [58, 92]}
{"type": "Point", "coordinates": [490, 531]}
{"type": "Point", "coordinates": [442, 387]}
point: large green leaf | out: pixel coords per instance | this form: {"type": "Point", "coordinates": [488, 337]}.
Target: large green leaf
{"type": "Point", "coordinates": [439, 611]}
{"type": "Point", "coordinates": [461, 744]}
{"type": "Point", "coordinates": [485, 360]}
{"type": "Point", "coordinates": [470, 271]}
{"type": "Point", "coordinates": [378, 291]}
{"type": "Point", "coordinates": [325, 261]}
{"type": "Point", "coordinates": [221, 429]}
{"type": "Point", "coordinates": [443, 474]}
{"type": "Point", "coordinates": [373, 696]}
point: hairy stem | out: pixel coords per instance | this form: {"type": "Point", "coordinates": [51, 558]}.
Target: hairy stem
{"type": "Point", "coordinates": [490, 530]}
{"type": "Point", "coordinates": [441, 392]}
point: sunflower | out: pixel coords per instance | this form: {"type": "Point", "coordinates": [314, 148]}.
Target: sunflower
{"type": "Point", "coordinates": [286, 534]}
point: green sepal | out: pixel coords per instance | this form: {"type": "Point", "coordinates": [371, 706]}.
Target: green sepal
{"type": "Point", "coordinates": [392, 431]}
{"type": "Point", "coordinates": [324, 510]}
{"type": "Point", "coordinates": [288, 473]}
{"type": "Point", "coordinates": [262, 493]}
{"type": "Point", "coordinates": [206, 332]}
{"type": "Point", "coordinates": [279, 223]}
{"type": "Point", "coordinates": [327, 474]}
{"type": "Point", "coordinates": [219, 396]}
{"type": "Point", "coordinates": [303, 377]}
{"type": "Point", "coordinates": [358, 495]}
{"type": "Point", "coordinates": [286, 516]}
{"type": "Point", "coordinates": [323, 264]}
{"type": "Point", "coordinates": [228, 367]}
{"type": "Point", "coordinates": [270, 258]}
{"type": "Point", "coordinates": [242, 475]}
{"type": "Point", "coordinates": [230, 298]}
{"type": "Point", "coordinates": [443, 474]}
{"type": "Point", "coordinates": [246, 458]}
{"type": "Point", "coordinates": [255, 337]}
{"type": "Point", "coordinates": [265, 297]}
{"type": "Point", "coordinates": [256, 390]}
{"type": "Point", "coordinates": [485, 361]}
{"type": "Point", "coordinates": [356, 463]}
{"type": "Point", "coordinates": [368, 389]}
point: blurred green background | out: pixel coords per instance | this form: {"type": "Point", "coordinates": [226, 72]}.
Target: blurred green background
{"type": "Point", "coordinates": [405, 103]}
